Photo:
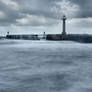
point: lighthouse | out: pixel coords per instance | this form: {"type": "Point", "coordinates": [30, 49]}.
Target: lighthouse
{"type": "Point", "coordinates": [64, 26]}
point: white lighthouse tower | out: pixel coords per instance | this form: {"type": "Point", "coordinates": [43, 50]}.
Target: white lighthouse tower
{"type": "Point", "coordinates": [64, 26]}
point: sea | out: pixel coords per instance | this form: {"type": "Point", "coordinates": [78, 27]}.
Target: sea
{"type": "Point", "coordinates": [45, 66]}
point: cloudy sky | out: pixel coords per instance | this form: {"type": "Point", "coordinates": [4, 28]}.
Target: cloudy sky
{"type": "Point", "coordinates": [37, 16]}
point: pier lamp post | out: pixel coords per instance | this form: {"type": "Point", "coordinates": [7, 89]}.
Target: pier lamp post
{"type": "Point", "coordinates": [8, 33]}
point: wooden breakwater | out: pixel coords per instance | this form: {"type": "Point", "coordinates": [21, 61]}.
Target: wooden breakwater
{"type": "Point", "coordinates": [2, 37]}
{"type": "Point", "coordinates": [24, 37]}
{"type": "Point", "coordinates": [70, 37]}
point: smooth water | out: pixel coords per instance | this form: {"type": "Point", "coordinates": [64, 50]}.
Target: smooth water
{"type": "Point", "coordinates": [45, 66]}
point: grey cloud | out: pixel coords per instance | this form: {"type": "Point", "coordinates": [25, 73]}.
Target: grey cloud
{"type": "Point", "coordinates": [42, 8]}
{"type": "Point", "coordinates": [11, 14]}
{"type": "Point", "coordinates": [85, 8]}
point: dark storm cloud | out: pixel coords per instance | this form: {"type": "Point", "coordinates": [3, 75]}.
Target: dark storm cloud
{"type": "Point", "coordinates": [10, 14]}
{"type": "Point", "coordinates": [20, 12]}
{"type": "Point", "coordinates": [39, 7]}
{"type": "Point", "coordinates": [85, 8]}
{"type": "Point", "coordinates": [31, 7]}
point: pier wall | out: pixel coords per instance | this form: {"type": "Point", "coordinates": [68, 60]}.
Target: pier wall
{"type": "Point", "coordinates": [71, 37]}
